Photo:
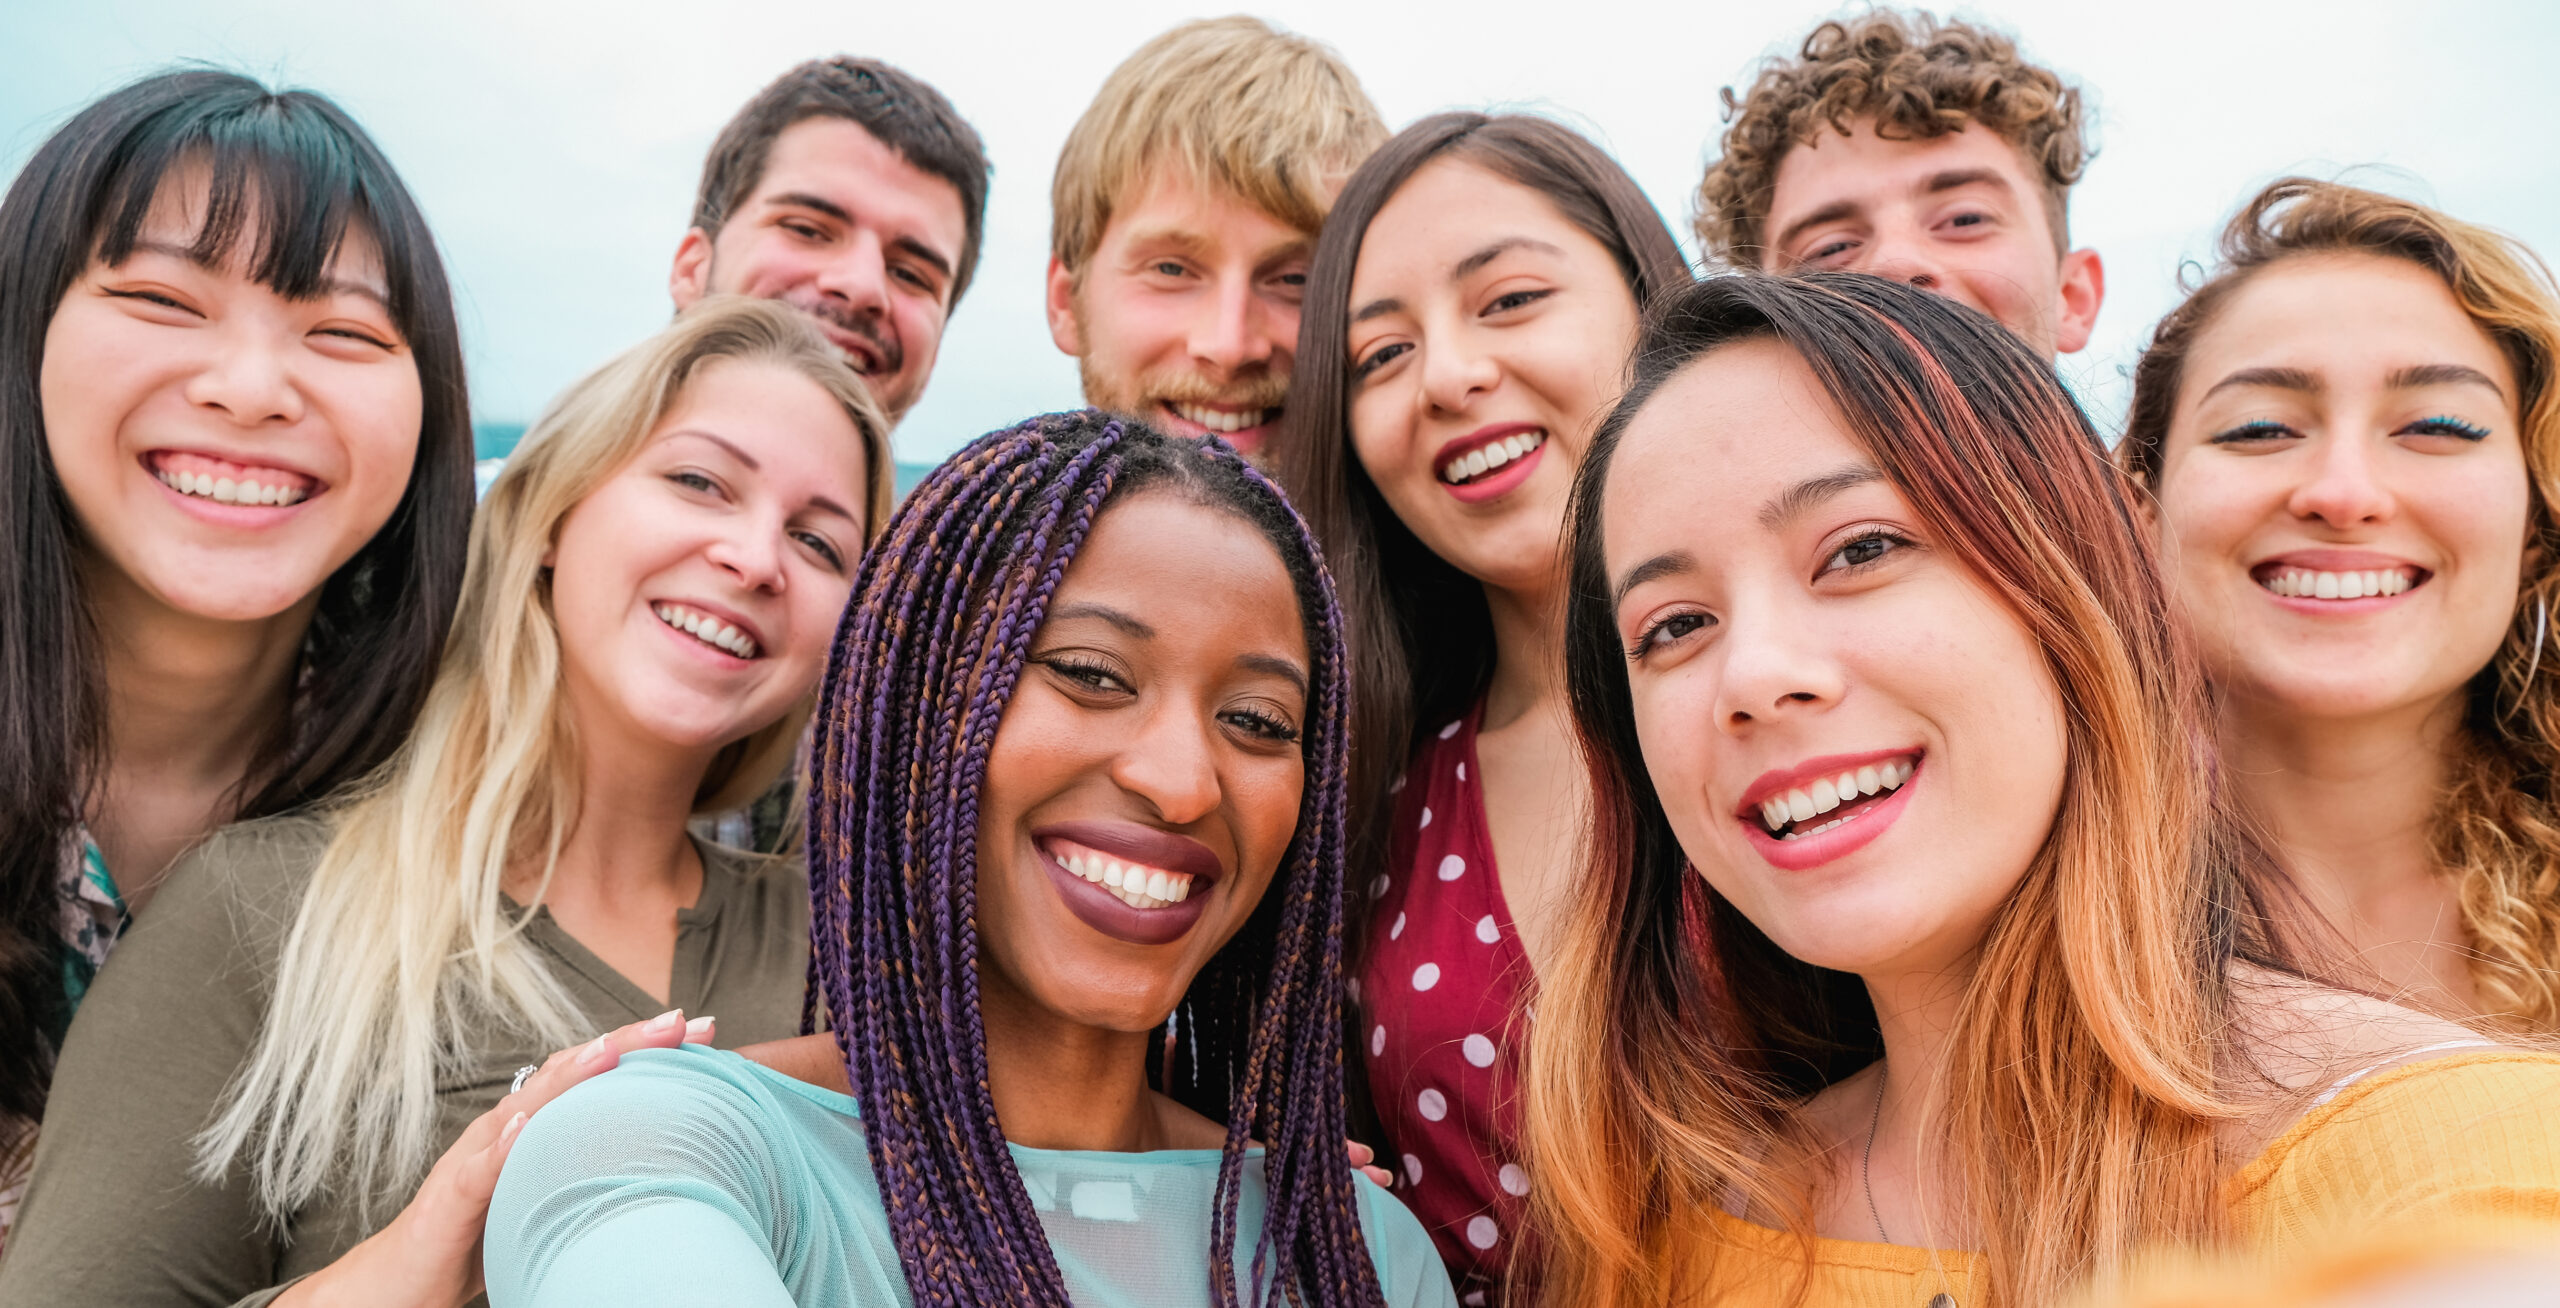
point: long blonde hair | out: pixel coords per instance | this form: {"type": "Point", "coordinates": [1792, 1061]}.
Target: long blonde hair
{"type": "Point", "coordinates": [1675, 1044]}
{"type": "Point", "coordinates": [404, 946]}
{"type": "Point", "coordinates": [2497, 826]}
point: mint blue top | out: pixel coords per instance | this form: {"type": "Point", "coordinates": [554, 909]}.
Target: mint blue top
{"type": "Point", "coordinates": [692, 1176]}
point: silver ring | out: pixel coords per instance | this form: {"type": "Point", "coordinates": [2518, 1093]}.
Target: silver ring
{"type": "Point", "coordinates": [521, 1073]}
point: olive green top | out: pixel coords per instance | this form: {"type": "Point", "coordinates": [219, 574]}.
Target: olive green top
{"type": "Point", "coordinates": [113, 1217]}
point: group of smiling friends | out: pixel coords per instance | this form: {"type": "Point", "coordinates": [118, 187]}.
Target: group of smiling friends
{"type": "Point", "coordinates": [1487, 768]}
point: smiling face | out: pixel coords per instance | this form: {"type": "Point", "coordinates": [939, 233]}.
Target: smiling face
{"type": "Point", "coordinates": [1186, 315]}
{"type": "Point", "coordinates": [2343, 489]}
{"type": "Point", "coordinates": [697, 588]}
{"type": "Point", "coordinates": [1145, 779]}
{"type": "Point", "coordinates": [844, 229]}
{"type": "Point", "coordinates": [1488, 336]}
{"type": "Point", "coordinates": [1796, 639]}
{"type": "Point", "coordinates": [226, 449]}
{"type": "Point", "coordinates": [1957, 214]}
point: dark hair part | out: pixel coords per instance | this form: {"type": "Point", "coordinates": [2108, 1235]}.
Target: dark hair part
{"type": "Point", "coordinates": [1421, 634]}
{"type": "Point", "coordinates": [2496, 827]}
{"type": "Point", "coordinates": [924, 664]}
{"type": "Point", "coordinates": [890, 103]}
{"type": "Point", "coordinates": [1918, 77]}
{"type": "Point", "coordinates": [291, 171]}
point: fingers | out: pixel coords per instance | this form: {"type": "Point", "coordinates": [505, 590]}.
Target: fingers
{"type": "Point", "coordinates": [568, 1067]}
{"type": "Point", "coordinates": [477, 1178]}
{"type": "Point", "coordinates": [1364, 1158]}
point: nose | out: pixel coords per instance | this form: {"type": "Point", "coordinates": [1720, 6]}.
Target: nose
{"type": "Point", "coordinates": [1454, 373]}
{"type": "Point", "coordinates": [1233, 332]}
{"type": "Point", "coordinates": [1776, 668]}
{"type": "Point", "coordinates": [249, 378]}
{"type": "Point", "coordinates": [1904, 257]}
{"type": "Point", "coordinates": [858, 277]}
{"type": "Point", "coordinates": [750, 551]}
{"type": "Point", "coordinates": [1170, 765]}
{"type": "Point", "coordinates": [2343, 490]}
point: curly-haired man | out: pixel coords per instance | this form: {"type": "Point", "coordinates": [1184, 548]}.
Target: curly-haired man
{"type": "Point", "coordinates": [1925, 150]}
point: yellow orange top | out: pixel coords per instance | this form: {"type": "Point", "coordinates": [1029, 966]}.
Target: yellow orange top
{"type": "Point", "coordinates": [2469, 1138]}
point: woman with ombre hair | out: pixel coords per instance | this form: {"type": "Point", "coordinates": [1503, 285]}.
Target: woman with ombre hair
{"type": "Point", "coordinates": [2351, 433]}
{"type": "Point", "coordinates": [1919, 954]}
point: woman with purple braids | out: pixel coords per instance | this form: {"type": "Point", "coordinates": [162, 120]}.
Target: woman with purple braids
{"type": "Point", "coordinates": [1075, 870]}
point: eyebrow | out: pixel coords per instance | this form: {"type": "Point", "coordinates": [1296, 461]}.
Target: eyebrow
{"type": "Point", "coordinates": [1275, 666]}
{"type": "Point", "coordinates": [328, 285]}
{"type": "Point", "coordinates": [1668, 564]}
{"type": "Point", "coordinates": [1829, 213]}
{"type": "Point", "coordinates": [1102, 612]}
{"type": "Point", "coordinates": [1937, 183]}
{"type": "Point", "coordinates": [822, 205]}
{"type": "Point", "coordinates": [2283, 379]}
{"type": "Point", "coordinates": [818, 502]}
{"type": "Point", "coordinates": [1814, 490]}
{"type": "Point", "coordinates": [1461, 269]}
{"type": "Point", "coordinates": [2442, 374]}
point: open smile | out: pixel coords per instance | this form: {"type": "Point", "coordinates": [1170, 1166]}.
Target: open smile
{"type": "Point", "coordinates": [221, 481]}
{"type": "Point", "coordinates": [1827, 807]}
{"type": "Point", "coordinates": [733, 638]}
{"type": "Point", "coordinates": [1490, 462]}
{"type": "Point", "coordinates": [1128, 881]}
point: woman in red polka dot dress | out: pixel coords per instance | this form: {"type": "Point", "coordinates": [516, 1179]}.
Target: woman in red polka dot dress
{"type": "Point", "coordinates": [1496, 265]}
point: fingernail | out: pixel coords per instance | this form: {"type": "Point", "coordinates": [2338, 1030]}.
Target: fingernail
{"type": "Point", "coordinates": [595, 1050]}
{"type": "Point", "coordinates": [700, 1026]}
{"type": "Point", "coordinates": [666, 1021]}
{"type": "Point", "coordinates": [514, 1125]}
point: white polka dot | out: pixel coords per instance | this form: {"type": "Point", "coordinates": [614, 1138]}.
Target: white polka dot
{"type": "Point", "coordinates": [1452, 868]}
{"type": "Point", "coordinates": [1452, 728]}
{"type": "Point", "coordinates": [1474, 1299]}
{"type": "Point", "coordinates": [1478, 1050]}
{"type": "Point", "coordinates": [1426, 976]}
{"type": "Point", "coordinates": [1486, 931]}
{"type": "Point", "coordinates": [1378, 888]}
{"type": "Point", "coordinates": [1378, 1041]}
{"type": "Point", "coordinates": [1426, 817]}
{"type": "Point", "coordinates": [1396, 932]}
{"type": "Point", "coordinates": [1481, 1232]}
{"type": "Point", "coordinates": [1412, 1170]}
{"type": "Point", "coordinates": [1432, 1104]}
{"type": "Point", "coordinates": [1462, 772]}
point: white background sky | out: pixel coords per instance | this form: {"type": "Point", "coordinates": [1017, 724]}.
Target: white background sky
{"type": "Point", "coordinates": [555, 145]}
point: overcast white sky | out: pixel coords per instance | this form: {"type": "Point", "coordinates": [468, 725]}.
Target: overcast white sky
{"type": "Point", "coordinates": [555, 145]}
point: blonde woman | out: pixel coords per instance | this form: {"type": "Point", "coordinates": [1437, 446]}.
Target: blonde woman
{"type": "Point", "coordinates": [323, 1003]}
{"type": "Point", "coordinates": [2352, 433]}
{"type": "Point", "coordinates": [1920, 959]}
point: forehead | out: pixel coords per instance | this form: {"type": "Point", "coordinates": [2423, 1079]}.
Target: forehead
{"type": "Point", "coordinates": [2346, 317]}
{"type": "Point", "coordinates": [1186, 567]}
{"type": "Point", "coordinates": [1864, 169]}
{"type": "Point", "coordinates": [839, 160]}
{"type": "Point", "coordinates": [1169, 205]}
{"type": "Point", "coordinates": [178, 213]}
{"type": "Point", "coordinates": [1451, 208]}
{"type": "Point", "coordinates": [1713, 444]}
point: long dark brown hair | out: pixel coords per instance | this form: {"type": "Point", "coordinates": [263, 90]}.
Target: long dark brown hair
{"type": "Point", "coordinates": [1421, 634]}
{"type": "Point", "coordinates": [293, 172]}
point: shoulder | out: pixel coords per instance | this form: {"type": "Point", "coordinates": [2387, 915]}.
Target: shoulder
{"type": "Point", "coordinates": [685, 1097]}
{"type": "Point", "coordinates": [2299, 1036]}
{"type": "Point", "coordinates": [2463, 1135]}
{"type": "Point", "coordinates": [1409, 1266]}
{"type": "Point", "coordinates": [230, 902]}
{"type": "Point", "coordinates": [766, 884]}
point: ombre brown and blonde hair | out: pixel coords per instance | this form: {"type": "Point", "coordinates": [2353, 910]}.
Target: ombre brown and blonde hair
{"type": "Point", "coordinates": [1675, 1042]}
{"type": "Point", "coordinates": [2497, 826]}
{"type": "Point", "coordinates": [405, 939]}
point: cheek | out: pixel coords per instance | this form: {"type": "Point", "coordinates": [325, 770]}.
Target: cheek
{"type": "Point", "coordinates": [378, 413]}
{"type": "Point", "coordinates": [1675, 731]}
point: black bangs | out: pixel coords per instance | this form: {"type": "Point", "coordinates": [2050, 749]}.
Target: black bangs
{"type": "Point", "coordinates": [281, 168]}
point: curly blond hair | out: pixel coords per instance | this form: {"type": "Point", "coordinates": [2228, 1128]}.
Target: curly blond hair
{"type": "Point", "coordinates": [1915, 76]}
{"type": "Point", "coordinates": [2496, 829]}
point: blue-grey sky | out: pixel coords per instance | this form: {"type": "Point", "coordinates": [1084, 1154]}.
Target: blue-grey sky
{"type": "Point", "coordinates": [555, 143]}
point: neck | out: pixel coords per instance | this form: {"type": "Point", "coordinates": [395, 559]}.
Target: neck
{"type": "Point", "coordinates": [1058, 1084]}
{"type": "Point", "coordinates": [1528, 651]}
{"type": "Point", "coordinates": [1885, 1126]}
{"type": "Point", "coordinates": [2348, 800]}
{"type": "Point", "coordinates": [628, 841]}
{"type": "Point", "coordinates": [190, 698]}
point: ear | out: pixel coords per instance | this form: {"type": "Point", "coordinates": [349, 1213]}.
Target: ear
{"type": "Point", "coordinates": [1063, 327]}
{"type": "Point", "coordinates": [2084, 287]}
{"type": "Point", "coordinates": [690, 279]}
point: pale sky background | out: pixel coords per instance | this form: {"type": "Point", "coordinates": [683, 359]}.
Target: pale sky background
{"type": "Point", "coordinates": [555, 145]}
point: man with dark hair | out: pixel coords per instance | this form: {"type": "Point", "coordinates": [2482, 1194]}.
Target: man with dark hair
{"type": "Point", "coordinates": [852, 192]}
{"type": "Point", "coordinates": [1924, 150]}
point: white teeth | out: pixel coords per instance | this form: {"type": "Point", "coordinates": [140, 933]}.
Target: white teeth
{"type": "Point", "coordinates": [1218, 420]}
{"type": "Point", "coordinates": [1130, 883]}
{"type": "Point", "coordinates": [710, 631]}
{"type": "Point", "coordinates": [228, 490]}
{"type": "Point", "coordinates": [1491, 455]}
{"type": "Point", "coordinates": [2301, 583]}
{"type": "Point", "coordinates": [1828, 793]}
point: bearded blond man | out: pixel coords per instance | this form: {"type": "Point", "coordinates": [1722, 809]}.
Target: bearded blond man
{"type": "Point", "coordinates": [1928, 151]}
{"type": "Point", "coordinates": [1183, 217]}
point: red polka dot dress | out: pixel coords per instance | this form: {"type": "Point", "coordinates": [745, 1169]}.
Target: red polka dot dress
{"type": "Point", "coordinates": [1441, 994]}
